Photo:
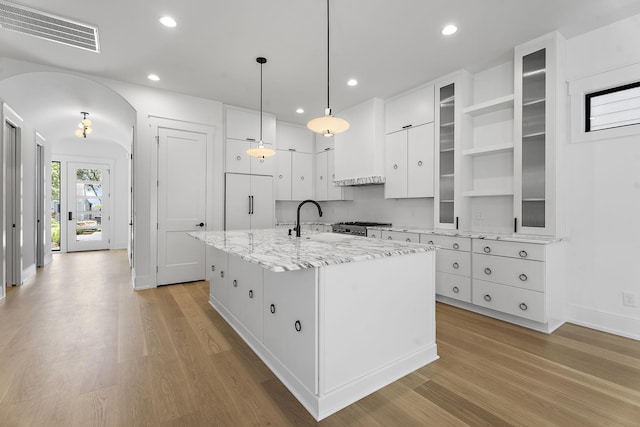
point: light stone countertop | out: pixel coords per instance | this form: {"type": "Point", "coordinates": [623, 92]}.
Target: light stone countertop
{"type": "Point", "coordinates": [521, 238]}
{"type": "Point", "coordinates": [275, 250]}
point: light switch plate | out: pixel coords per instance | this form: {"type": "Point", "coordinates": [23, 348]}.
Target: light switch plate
{"type": "Point", "coordinates": [629, 299]}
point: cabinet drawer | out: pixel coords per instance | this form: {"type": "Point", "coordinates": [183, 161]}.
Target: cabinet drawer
{"type": "Point", "coordinates": [453, 262]}
{"type": "Point", "coordinates": [401, 236]}
{"type": "Point", "coordinates": [374, 234]}
{"type": "Point", "coordinates": [510, 249]}
{"type": "Point", "coordinates": [447, 242]}
{"type": "Point", "coordinates": [509, 271]}
{"type": "Point", "coordinates": [507, 299]}
{"type": "Point", "coordinates": [453, 286]}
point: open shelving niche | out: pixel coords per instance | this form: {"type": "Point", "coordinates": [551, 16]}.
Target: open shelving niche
{"type": "Point", "coordinates": [485, 156]}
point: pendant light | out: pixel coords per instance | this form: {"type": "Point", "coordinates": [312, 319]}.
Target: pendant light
{"type": "Point", "coordinates": [328, 125]}
{"type": "Point", "coordinates": [261, 151]}
{"type": "Point", "coordinates": [84, 126]}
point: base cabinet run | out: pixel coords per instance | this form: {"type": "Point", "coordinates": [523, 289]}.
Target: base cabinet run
{"type": "Point", "coordinates": [321, 330]}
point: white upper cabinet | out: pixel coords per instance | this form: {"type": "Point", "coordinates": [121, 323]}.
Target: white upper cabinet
{"type": "Point", "coordinates": [539, 133]}
{"type": "Point", "coordinates": [360, 150]}
{"type": "Point", "coordinates": [325, 189]}
{"type": "Point", "coordinates": [294, 177]}
{"type": "Point", "coordinates": [244, 125]}
{"type": "Point", "coordinates": [452, 131]}
{"type": "Point", "coordinates": [410, 163]}
{"type": "Point", "coordinates": [294, 137]}
{"type": "Point", "coordinates": [238, 161]}
{"type": "Point", "coordinates": [411, 109]}
{"type": "Point", "coordinates": [323, 143]}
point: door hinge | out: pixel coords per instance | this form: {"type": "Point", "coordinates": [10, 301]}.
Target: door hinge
{"type": "Point", "coordinates": [157, 140]}
{"type": "Point", "coordinates": [157, 226]}
{"type": "Point", "coordinates": [157, 269]}
{"type": "Point", "coordinates": [131, 156]}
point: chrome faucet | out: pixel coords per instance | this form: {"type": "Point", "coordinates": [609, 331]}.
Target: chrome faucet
{"type": "Point", "coordinates": [298, 214]}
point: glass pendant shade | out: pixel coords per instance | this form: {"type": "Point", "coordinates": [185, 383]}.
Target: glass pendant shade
{"type": "Point", "coordinates": [328, 125]}
{"type": "Point", "coordinates": [261, 151]}
{"type": "Point", "coordinates": [86, 123]}
{"type": "Point", "coordinates": [80, 133]}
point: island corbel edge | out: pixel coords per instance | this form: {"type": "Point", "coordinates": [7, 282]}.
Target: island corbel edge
{"type": "Point", "coordinates": [335, 331]}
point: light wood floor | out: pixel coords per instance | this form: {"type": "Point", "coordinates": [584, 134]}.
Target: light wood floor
{"type": "Point", "coordinates": [78, 347]}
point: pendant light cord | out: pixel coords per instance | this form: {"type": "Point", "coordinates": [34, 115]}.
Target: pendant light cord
{"type": "Point", "coordinates": [261, 103]}
{"type": "Point", "coordinates": [328, 56]}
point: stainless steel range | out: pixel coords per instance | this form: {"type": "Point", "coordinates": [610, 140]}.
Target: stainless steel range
{"type": "Point", "coordinates": [356, 228]}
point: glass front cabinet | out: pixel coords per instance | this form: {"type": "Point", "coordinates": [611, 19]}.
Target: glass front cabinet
{"type": "Point", "coordinates": [452, 95]}
{"type": "Point", "coordinates": [539, 122]}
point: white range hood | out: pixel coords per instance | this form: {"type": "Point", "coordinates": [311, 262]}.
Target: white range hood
{"type": "Point", "coordinates": [360, 151]}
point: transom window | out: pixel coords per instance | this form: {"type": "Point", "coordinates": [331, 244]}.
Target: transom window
{"type": "Point", "coordinates": [612, 108]}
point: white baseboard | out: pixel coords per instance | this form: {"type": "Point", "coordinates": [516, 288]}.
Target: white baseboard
{"type": "Point", "coordinates": [142, 282]}
{"type": "Point", "coordinates": [28, 272]}
{"type": "Point", "coordinates": [606, 322]}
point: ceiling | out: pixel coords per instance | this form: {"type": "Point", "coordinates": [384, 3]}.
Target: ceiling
{"type": "Point", "coordinates": [388, 46]}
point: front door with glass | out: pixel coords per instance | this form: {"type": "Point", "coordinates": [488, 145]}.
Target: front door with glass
{"type": "Point", "coordinates": [87, 206]}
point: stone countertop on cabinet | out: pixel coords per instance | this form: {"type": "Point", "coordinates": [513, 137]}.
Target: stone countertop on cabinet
{"type": "Point", "coordinates": [276, 251]}
{"type": "Point", "coordinates": [521, 238]}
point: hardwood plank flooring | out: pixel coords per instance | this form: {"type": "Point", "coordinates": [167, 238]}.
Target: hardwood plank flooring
{"type": "Point", "coordinates": [79, 347]}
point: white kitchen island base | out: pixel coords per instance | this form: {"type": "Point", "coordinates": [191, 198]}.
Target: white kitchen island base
{"type": "Point", "coordinates": [336, 333]}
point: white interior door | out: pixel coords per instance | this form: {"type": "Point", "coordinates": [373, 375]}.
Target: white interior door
{"type": "Point", "coordinates": [88, 199]}
{"type": "Point", "coordinates": [182, 189]}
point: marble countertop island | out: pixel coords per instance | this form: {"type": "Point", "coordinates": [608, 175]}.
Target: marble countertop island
{"type": "Point", "coordinates": [276, 251]}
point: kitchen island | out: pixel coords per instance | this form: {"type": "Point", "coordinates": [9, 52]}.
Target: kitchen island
{"type": "Point", "coordinates": [335, 317]}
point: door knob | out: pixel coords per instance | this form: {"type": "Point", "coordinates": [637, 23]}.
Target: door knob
{"type": "Point", "coordinates": [200, 225]}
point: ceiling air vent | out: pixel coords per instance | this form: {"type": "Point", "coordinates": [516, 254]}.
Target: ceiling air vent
{"type": "Point", "coordinates": [33, 22]}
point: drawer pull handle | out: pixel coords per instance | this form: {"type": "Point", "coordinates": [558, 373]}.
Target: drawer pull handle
{"type": "Point", "coordinates": [261, 160]}
{"type": "Point", "coordinates": [420, 163]}
{"type": "Point", "coordinates": [456, 265]}
{"type": "Point", "coordinates": [523, 277]}
{"type": "Point", "coordinates": [487, 298]}
{"type": "Point", "coordinates": [389, 238]}
{"type": "Point", "coordinates": [272, 308]}
{"type": "Point", "coordinates": [222, 274]}
{"type": "Point", "coordinates": [238, 157]}
{"type": "Point", "coordinates": [280, 176]}
{"type": "Point", "coordinates": [487, 250]}
{"type": "Point", "coordinates": [395, 167]}
{"type": "Point", "coordinates": [456, 246]}
{"type": "Point", "coordinates": [302, 178]}
{"type": "Point", "coordinates": [455, 290]}
{"type": "Point", "coordinates": [250, 293]}
{"type": "Point", "coordinates": [373, 235]}
{"type": "Point", "coordinates": [235, 283]}
{"type": "Point", "coordinates": [298, 326]}
{"type": "Point", "coordinates": [487, 271]}
{"type": "Point", "coordinates": [523, 306]}
{"type": "Point", "coordinates": [320, 177]}
{"type": "Point", "coordinates": [523, 254]}
{"type": "Point", "coordinates": [408, 239]}
{"type": "Point", "coordinates": [430, 242]}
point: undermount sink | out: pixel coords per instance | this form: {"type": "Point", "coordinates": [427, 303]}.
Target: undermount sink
{"type": "Point", "coordinates": [327, 237]}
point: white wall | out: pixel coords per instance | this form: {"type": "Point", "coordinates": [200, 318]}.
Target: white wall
{"type": "Point", "coordinates": [604, 196]}
{"type": "Point", "coordinates": [368, 204]}
{"type": "Point", "coordinates": [101, 152]}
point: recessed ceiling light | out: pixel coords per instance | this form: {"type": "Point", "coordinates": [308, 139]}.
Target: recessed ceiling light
{"type": "Point", "coordinates": [153, 77]}
{"type": "Point", "coordinates": [300, 110]}
{"type": "Point", "coordinates": [352, 82]}
{"type": "Point", "coordinates": [168, 21]}
{"type": "Point", "coordinates": [449, 29]}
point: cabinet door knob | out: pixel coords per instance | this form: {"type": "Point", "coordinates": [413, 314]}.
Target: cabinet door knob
{"type": "Point", "coordinates": [250, 293]}
{"type": "Point", "coordinates": [523, 277]}
{"type": "Point", "coordinates": [523, 254]}
{"type": "Point", "coordinates": [280, 176]}
{"type": "Point", "coordinates": [298, 326]}
{"type": "Point", "coordinates": [456, 265]}
{"type": "Point", "coordinates": [373, 235]}
{"type": "Point", "coordinates": [213, 268]}
{"type": "Point", "coordinates": [420, 163]}
{"type": "Point", "coordinates": [395, 166]}
{"type": "Point", "coordinates": [389, 238]}
{"type": "Point", "coordinates": [272, 308]}
{"type": "Point", "coordinates": [408, 239]}
{"type": "Point", "coordinates": [238, 157]}
{"type": "Point", "coordinates": [302, 178]}
{"type": "Point", "coordinates": [456, 246]}
{"type": "Point", "coordinates": [261, 160]}
{"type": "Point", "coordinates": [523, 306]}
{"type": "Point", "coordinates": [235, 283]}
{"type": "Point", "coordinates": [487, 250]}
{"type": "Point", "coordinates": [487, 270]}
{"type": "Point", "coordinates": [455, 290]}
{"type": "Point", "coordinates": [430, 242]}
{"type": "Point", "coordinates": [487, 297]}
{"type": "Point", "coordinates": [320, 177]}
